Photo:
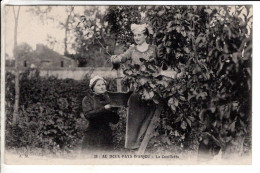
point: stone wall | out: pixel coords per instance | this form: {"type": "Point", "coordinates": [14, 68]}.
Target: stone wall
{"type": "Point", "coordinates": [79, 73]}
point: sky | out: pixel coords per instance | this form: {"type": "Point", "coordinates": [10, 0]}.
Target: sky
{"type": "Point", "coordinates": [32, 30]}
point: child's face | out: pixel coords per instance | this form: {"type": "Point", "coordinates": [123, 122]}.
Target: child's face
{"type": "Point", "coordinates": [100, 87]}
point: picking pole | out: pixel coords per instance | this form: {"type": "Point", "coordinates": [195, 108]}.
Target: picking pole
{"type": "Point", "coordinates": [118, 80]}
{"type": "Point", "coordinates": [150, 130]}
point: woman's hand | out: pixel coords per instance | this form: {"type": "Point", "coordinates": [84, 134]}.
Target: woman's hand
{"type": "Point", "coordinates": [115, 59]}
{"type": "Point", "coordinates": [108, 106]}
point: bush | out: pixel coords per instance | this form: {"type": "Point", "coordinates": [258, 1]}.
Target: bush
{"type": "Point", "coordinates": [49, 112]}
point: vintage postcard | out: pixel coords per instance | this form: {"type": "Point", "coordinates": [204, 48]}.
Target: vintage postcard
{"type": "Point", "coordinates": [135, 84]}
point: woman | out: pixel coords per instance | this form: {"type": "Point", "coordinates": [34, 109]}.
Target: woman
{"type": "Point", "coordinates": [141, 50]}
{"type": "Point", "coordinates": [139, 112]}
{"type": "Point", "coordinates": [98, 111]}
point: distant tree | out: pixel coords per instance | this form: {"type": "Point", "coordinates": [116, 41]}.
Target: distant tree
{"type": "Point", "coordinates": [22, 50]}
{"type": "Point", "coordinates": [42, 12]}
{"type": "Point", "coordinates": [92, 39]}
{"type": "Point", "coordinates": [17, 90]}
{"type": "Point", "coordinates": [45, 15]}
{"type": "Point", "coordinates": [51, 41]}
{"type": "Point", "coordinates": [67, 25]}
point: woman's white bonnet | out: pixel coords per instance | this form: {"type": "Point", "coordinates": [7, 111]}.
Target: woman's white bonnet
{"type": "Point", "coordinates": [94, 79]}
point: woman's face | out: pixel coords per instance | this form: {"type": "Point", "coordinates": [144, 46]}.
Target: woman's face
{"type": "Point", "coordinates": [139, 37]}
{"type": "Point", "coordinates": [100, 87]}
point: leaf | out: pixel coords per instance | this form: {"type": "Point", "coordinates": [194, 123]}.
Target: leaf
{"type": "Point", "coordinates": [191, 118]}
{"type": "Point", "coordinates": [213, 109]}
{"type": "Point", "coordinates": [173, 108]}
{"type": "Point", "coordinates": [169, 24]}
{"type": "Point", "coordinates": [148, 95]}
{"type": "Point", "coordinates": [178, 16]}
{"type": "Point", "coordinates": [178, 119]}
{"type": "Point", "coordinates": [229, 33]}
{"type": "Point", "coordinates": [170, 101]}
{"type": "Point", "coordinates": [221, 64]}
{"type": "Point", "coordinates": [228, 139]}
{"type": "Point", "coordinates": [183, 33]}
{"type": "Point", "coordinates": [128, 72]}
{"type": "Point", "coordinates": [209, 11]}
{"type": "Point", "coordinates": [179, 75]}
{"type": "Point", "coordinates": [211, 51]}
{"type": "Point", "coordinates": [225, 49]}
{"type": "Point", "coordinates": [155, 101]}
{"type": "Point", "coordinates": [186, 49]}
{"type": "Point", "coordinates": [143, 68]}
{"type": "Point", "coordinates": [151, 94]}
{"type": "Point", "coordinates": [183, 125]}
{"type": "Point", "coordinates": [164, 38]}
{"type": "Point", "coordinates": [182, 98]}
{"type": "Point", "coordinates": [143, 81]}
{"type": "Point", "coordinates": [160, 13]}
{"type": "Point", "coordinates": [169, 43]}
{"type": "Point", "coordinates": [232, 126]}
{"type": "Point", "coordinates": [242, 123]}
{"type": "Point", "coordinates": [176, 102]}
{"type": "Point", "coordinates": [202, 114]}
{"type": "Point", "coordinates": [169, 127]}
{"type": "Point", "coordinates": [188, 121]}
{"type": "Point", "coordinates": [167, 7]}
{"type": "Point", "coordinates": [168, 141]}
{"type": "Point", "coordinates": [200, 38]}
{"type": "Point", "coordinates": [203, 94]}
{"type": "Point", "coordinates": [148, 7]}
{"type": "Point", "coordinates": [178, 29]}
{"type": "Point", "coordinates": [168, 50]}
{"type": "Point", "coordinates": [235, 57]}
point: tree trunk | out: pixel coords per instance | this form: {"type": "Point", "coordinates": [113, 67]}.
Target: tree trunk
{"type": "Point", "coordinates": [65, 42]}
{"type": "Point", "coordinates": [17, 89]}
{"type": "Point", "coordinates": [118, 80]}
{"type": "Point", "coordinates": [67, 31]}
{"type": "Point", "coordinates": [66, 36]}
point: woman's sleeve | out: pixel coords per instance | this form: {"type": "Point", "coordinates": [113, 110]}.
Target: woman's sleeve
{"type": "Point", "coordinates": [126, 55]}
{"type": "Point", "coordinates": [91, 113]}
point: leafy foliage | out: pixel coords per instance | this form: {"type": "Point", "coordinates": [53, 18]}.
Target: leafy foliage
{"type": "Point", "coordinates": [119, 19]}
{"type": "Point", "coordinates": [22, 50]}
{"type": "Point", "coordinates": [92, 39]}
{"type": "Point", "coordinates": [49, 114]}
{"type": "Point", "coordinates": [209, 49]}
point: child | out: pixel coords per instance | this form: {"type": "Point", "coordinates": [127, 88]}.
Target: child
{"type": "Point", "coordinates": [98, 111]}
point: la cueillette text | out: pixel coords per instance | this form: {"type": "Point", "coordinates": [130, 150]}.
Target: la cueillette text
{"type": "Point", "coordinates": [125, 156]}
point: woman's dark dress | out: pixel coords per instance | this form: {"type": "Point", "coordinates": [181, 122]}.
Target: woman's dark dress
{"type": "Point", "coordinates": [139, 113]}
{"type": "Point", "coordinates": [98, 135]}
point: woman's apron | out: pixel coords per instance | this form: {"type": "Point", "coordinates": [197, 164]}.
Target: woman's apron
{"type": "Point", "coordinates": [139, 115]}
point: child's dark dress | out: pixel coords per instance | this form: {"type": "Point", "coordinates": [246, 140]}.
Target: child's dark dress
{"type": "Point", "coordinates": [98, 135]}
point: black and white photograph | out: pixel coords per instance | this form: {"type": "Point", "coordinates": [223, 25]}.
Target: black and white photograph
{"type": "Point", "coordinates": [127, 84]}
